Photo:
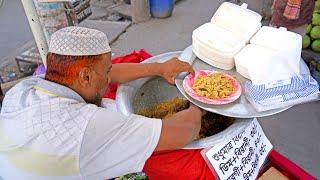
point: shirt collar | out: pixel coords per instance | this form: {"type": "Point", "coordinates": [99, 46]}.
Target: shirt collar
{"type": "Point", "coordinates": [58, 89]}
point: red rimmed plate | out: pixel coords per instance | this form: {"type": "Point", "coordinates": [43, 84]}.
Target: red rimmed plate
{"type": "Point", "coordinates": [189, 81]}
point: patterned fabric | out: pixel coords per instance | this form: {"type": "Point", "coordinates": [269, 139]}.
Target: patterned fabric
{"type": "Point", "coordinates": [286, 93]}
{"type": "Point", "coordinates": [79, 41]}
{"type": "Point", "coordinates": [42, 122]}
{"type": "Point", "coordinates": [292, 10]}
{"type": "Point", "coordinates": [280, 20]}
{"type": "Point", "coordinates": [48, 131]}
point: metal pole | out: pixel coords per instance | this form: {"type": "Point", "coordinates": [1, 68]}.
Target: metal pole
{"type": "Point", "coordinates": [140, 10]}
{"type": "Point", "coordinates": [36, 29]}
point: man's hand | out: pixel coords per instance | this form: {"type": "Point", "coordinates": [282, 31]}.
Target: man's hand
{"type": "Point", "coordinates": [171, 68]}
{"type": "Point", "coordinates": [124, 72]}
{"type": "Point", "coordinates": [180, 129]}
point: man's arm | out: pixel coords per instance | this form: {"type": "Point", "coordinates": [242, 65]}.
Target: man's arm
{"type": "Point", "coordinates": [180, 129]}
{"type": "Point", "coordinates": [124, 72]}
{"type": "Point", "coordinates": [121, 73]}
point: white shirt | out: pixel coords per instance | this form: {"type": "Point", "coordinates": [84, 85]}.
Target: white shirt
{"type": "Point", "coordinates": [47, 131]}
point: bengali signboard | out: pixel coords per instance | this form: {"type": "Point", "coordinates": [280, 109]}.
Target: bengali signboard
{"type": "Point", "coordinates": [242, 156]}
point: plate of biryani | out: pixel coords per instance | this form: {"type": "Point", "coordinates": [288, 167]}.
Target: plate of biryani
{"type": "Point", "coordinates": [212, 87]}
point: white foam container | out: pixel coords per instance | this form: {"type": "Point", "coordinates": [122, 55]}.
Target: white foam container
{"type": "Point", "coordinates": [277, 39]}
{"type": "Point", "coordinates": [238, 19]}
{"type": "Point", "coordinates": [267, 42]}
{"type": "Point", "coordinates": [231, 27]}
{"type": "Point", "coordinates": [250, 53]}
{"type": "Point", "coordinates": [216, 46]}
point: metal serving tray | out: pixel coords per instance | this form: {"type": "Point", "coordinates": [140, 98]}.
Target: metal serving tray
{"type": "Point", "coordinates": [241, 108]}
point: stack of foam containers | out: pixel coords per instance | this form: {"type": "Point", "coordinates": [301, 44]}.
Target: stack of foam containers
{"type": "Point", "coordinates": [230, 29]}
{"type": "Point", "coordinates": [267, 42]}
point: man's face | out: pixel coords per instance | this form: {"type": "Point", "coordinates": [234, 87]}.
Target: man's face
{"type": "Point", "coordinates": [100, 78]}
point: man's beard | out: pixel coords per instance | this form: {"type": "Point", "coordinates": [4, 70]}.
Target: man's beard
{"type": "Point", "coordinates": [97, 99]}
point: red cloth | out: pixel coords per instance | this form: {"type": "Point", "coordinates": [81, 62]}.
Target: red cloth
{"type": "Point", "coordinates": [134, 57]}
{"type": "Point", "coordinates": [179, 164]}
{"type": "Point", "coordinates": [288, 168]}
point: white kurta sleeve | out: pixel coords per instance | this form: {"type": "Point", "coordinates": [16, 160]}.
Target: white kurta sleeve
{"type": "Point", "coordinates": [114, 144]}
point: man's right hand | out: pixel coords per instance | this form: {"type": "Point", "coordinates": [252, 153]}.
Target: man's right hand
{"type": "Point", "coordinates": [180, 129]}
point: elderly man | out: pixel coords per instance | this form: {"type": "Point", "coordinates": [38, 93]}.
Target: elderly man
{"type": "Point", "coordinates": [54, 128]}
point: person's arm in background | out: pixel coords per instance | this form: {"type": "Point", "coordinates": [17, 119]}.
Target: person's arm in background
{"type": "Point", "coordinates": [121, 73]}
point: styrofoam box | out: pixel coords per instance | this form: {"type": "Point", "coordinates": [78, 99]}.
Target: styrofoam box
{"type": "Point", "coordinates": [265, 43]}
{"type": "Point", "coordinates": [216, 46]}
{"type": "Point", "coordinates": [237, 19]}
{"type": "Point", "coordinates": [248, 54]}
{"type": "Point", "coordinates": [217, 42]}
{"type": "Point", "coordinates": [277, 38]}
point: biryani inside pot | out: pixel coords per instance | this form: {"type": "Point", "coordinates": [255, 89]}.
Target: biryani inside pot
{"type": "Point", "coordinates": [210, 124]}
{"type": "Point", "coordinates": [213, 86]}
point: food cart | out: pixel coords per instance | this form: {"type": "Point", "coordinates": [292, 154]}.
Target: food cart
{"type": "Point", "coordinates": [240, 109]}
{"type": "Point", "coordinates": [147, 92]}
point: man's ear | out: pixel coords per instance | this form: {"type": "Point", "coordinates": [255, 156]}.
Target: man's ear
{"type": "Point", "coordinates": [85, 77]}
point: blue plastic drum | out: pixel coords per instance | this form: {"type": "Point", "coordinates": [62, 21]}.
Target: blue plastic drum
{"type": "Point", "coordinates": [161, 8]}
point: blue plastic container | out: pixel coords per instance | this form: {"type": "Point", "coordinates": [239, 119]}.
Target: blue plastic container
{"type": "Point", "coordinates": [161, 8]}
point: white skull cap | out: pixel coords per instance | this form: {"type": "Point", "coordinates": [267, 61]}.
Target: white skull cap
{"type": "Point", "coordinates": [79, 41]}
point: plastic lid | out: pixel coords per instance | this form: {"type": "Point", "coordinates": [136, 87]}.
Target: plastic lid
{"type": "Point", "coordinates": [237, 19]}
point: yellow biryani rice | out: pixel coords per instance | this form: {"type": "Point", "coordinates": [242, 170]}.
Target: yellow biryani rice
{"type": "Point", "coordinates": [210, 124]}
{"type": "Point", "coordinates": [213, 86]}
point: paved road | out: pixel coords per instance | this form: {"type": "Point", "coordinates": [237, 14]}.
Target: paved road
{"type": "Point", "coordinates": [14, 27]}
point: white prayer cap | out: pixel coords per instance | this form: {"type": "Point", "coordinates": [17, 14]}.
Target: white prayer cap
{"type": "Point", "coordinates": [79, 41]}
